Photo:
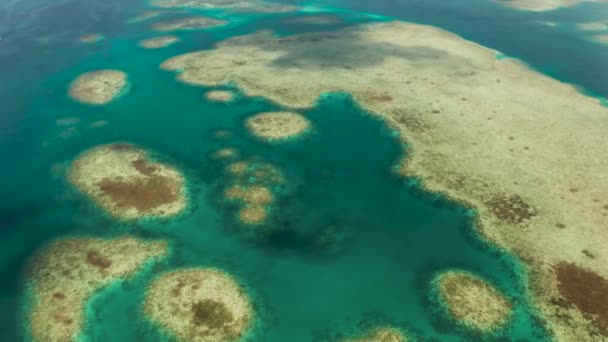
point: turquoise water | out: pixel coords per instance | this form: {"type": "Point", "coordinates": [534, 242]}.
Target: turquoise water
{"type": "Point", "coordinates": [348, 244]}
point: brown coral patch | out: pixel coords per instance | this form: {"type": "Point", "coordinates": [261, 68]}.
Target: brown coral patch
{"type": "Point", "coordinates": [144, 167]}
{"type": "Point", "coordinates": [213, 315]}
{"type": "Point", "coordinates": [142, 194]}
{"type": "Point", "coordinates": [511, 208]}
{"type": "Point", "coordinates": [98, 260]}
{"type": "Point", "coordinates": [587, 291]}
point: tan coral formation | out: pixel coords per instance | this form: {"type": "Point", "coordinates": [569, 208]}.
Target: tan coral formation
{"type": "Point", "coordinates": [158, 42]}
{"type": "Point", "coordinates": [186, 24]}
{"type": "Point", "coordinates": [472, 123]}
{"type": "Point", "coordinates": [380, 334]}
{"type": "Point", "coordinates": [277, 126]}
{"type": "Point", "coordinates": [222, 96]}
{"type": "Point", "coordinates": [253, 6]}
{"type": "Point", "coordinates": [540, 5]}
{"type": "Point", "coordinates": [98, 87]}
{"type": "Point", "coordinates": [472, 301]}
{"type": "Point", "coordinates": [199, 305]}
{"type": "Point", "coordinates": [123, 180]}
{"type": "Point", "coordinates": [66, 273]}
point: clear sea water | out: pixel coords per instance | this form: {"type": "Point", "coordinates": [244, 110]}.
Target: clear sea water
{"type": "Point", "coordinates": [383, 237]}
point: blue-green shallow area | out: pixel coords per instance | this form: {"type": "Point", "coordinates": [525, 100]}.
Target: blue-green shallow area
{"type": "Point", "coordinates": [348, 244]}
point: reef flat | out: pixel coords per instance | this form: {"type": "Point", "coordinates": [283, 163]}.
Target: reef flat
{"type": "Point", "coordinates": [98, 87]}
{"type": "Point", "coordinates": [277, 126]}
{"type": "Point", "coordinates": [223, 96]}
{"type": "Point", "coordinates": [203, 305]}
{"type": "Point", "coordinates": [123, 180]}
{"type": "Point", "coordinates": [472, 124]}
{"type": "Point", "coordinates": [66, 273]}
{"type": "Point", "coordinates": [471, 301]}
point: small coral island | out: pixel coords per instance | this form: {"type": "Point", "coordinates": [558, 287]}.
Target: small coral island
{"type": "Point", "coordinates": [199, 304]}
{"type": "Point", "coordinates": [123, 180]}
{"type": "Point", "coordinates": [158, 42]}
{"type": "Point", "coordinates": [277, 126]}
{"type": "Point", "coordinates": [66, 273]}
{"type": "Point", "coordinates": [472, 301]}
{"type": "Point", "coordinates": [98, 87]}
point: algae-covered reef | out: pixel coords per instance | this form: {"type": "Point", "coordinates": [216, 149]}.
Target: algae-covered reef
{"type": "Point", "coordinates": [472, 123]}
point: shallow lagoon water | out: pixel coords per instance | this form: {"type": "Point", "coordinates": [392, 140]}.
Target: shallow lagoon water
{"type": "Point", "coordinates": [348, 243]}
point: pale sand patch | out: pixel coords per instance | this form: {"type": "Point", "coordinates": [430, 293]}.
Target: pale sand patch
{"type": "Point", "coordinates": [223, 96]}
{"type": "Point", "coordinates": [123, 180]}
{"type": "Point", "coordinates": [592, 26]}
{"type": "Point", "coordinates": [66, 273]}
{"type": "Point", "coordinates": [380, 334]}
{"type": "Point", "coordinates": [144, 16]}
{"type": "Point", "coordinates": [158, 42]}
{"type": "Point", "coordinates": [521, 148]}
{"type": "Point", "coordinates": [199, 305]}
{"type": "Point", "coordinates": [91, 38]}
{"type": "Point", "coordinates": [98, 87]}
{"type": "Point", "coordinates": [277, 126]}
{"type": "Point", "coordinates": [539, 5]}
{"type": "Point", "coordinates": [187, 24]}
{"type": "Point", "coordinates": [472, 301]}
{"type": "Point", "coordinates": [254, 6]}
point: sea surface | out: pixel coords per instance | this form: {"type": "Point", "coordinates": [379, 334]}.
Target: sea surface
{"type": "Point", "coordinates": [348, 245]}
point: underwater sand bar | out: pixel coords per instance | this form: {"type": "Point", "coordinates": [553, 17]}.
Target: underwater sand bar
{"type": "Point", "coordinates": [199, 305]}
{"type": "Point", "coordinates": [187, 24]}
{"type": "Point", "coordinates": [66, 273]}
{"type": "Point", "coordinates": [471, 301]}
{"type": "Point", "coordinates": [251, 6]}
{"type": "Point", "coordinates": [488, 132]}
{"type": "Point", "coordinates": [539, 5]}
{"type": "Point", "coordinates": [158, 42]}
{"type": "Point", "coordinates": [123, 180]}
{"type": "Point", "coordinates": [98, 87]}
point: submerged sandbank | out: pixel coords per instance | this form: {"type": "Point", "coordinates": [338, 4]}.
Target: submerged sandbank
{"type": "Point", "coordinates": [66, 273]}
{"type": "Point", "coordinates": [538, 195]}
{"type": "Point", "coordinates": [380, 334]}
{"type": "Point", "coordinates": [123, 180]}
